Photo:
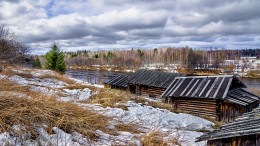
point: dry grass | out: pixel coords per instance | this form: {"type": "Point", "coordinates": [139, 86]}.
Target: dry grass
{"type": "Point", "coordinates": [131, 128]}
{"type": "Point", "coordinates": [154, 104]}
{"type": "Point", "coordinates": [9, 72]}
{"type": "Point", "coordinates": [156, 138]}
{"type": "Point", "coordinates": [38, 110]}
{"type": "Point", "coordinates": [198, 72]}
{"type": "Point", "coordinates": [10, 86]}
{"type": "Point", "coordinates": [59, 77]}
{"type": "Point", "coordinates": [32, 113]}
{"type": "Point", "coordinates": [80, 86]}
{"type": "Point", "coordinates": [110, 98]}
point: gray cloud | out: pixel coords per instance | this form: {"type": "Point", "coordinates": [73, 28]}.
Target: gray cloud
{"type": "Point", "coordinates": [123, 24]}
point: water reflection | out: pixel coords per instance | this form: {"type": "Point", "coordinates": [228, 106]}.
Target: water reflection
{"type": "Point", "coordinates": [92, 76]}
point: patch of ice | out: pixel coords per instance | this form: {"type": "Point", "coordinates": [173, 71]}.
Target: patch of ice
{"type": "Point", "coordinates": [46, 82]}
{"type": "Point", "coordinates": [76, 94]}
{"type": "Point", "coordinates": [40, 73]}
{"type": "Point", "coordinates": [124, 138]}
{"type": "Point", "coordinates": [44, 90]}
{"type": "Point", "coordinates": [3, 76]}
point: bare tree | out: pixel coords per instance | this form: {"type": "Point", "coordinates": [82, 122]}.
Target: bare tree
{"type": "Point", "coordinates": [11, 50]}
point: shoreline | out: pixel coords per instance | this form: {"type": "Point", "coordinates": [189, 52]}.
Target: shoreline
{"type": "Point", "coordinates": [126, 70]}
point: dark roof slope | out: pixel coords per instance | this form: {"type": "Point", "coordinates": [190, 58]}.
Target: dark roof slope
{"type": "Point", "coordinates": [212, 87]}
{"type": "Point", "coordinates": [153, 78]}
{"type": "Point", "coordinates": [119, 80]}
{"type": "Point", "coordinates": [241, 96]}
{"type": "Point", "coordinates": [247, 124]}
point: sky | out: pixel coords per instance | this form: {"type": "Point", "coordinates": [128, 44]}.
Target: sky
{"type": "Point", "coordinates": [125, 24]}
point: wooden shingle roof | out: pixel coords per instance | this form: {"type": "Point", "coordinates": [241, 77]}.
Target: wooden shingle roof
{"type": "Point", "coordinates": [119, 80]}
{"type": "Point", "coordinates": [247, 124]}
{"type": "Point", "coordinates": [241, 97]}
{"type": "Point", "coordinates": [200, 86]}
{"type": "Point", "coordinates": [153, 78]}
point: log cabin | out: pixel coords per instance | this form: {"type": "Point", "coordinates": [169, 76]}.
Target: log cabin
{"type": "Point", "coordinates": [118, 82]}
{"type": "Point", "coordinates": [150, 82]}
{"type": "Point", "coordinates": [220, 97]}
{"type": "Point", "coordinates": [244, 131]}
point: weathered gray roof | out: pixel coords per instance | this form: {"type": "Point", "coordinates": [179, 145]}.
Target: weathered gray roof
{"type": "Point", "coordinates": [119, 80]}
{"type": "Point", "coordinates": [247, 124]}
{"type": "Point", "coordinates": [212, 87]}
{"type": "Point", "coordinates": [153, 78]}
{"type": "Point", "coordinates": [241, 96]}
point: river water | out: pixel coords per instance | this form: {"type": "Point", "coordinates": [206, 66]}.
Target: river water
{"type": "Point", "coordinates": [97, 77]}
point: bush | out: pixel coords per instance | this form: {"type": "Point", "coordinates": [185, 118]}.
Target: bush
{"type": "Point", "coordinates": [36, 63]}
{"type": "Point", "coordinates": [55, 60]}
{"type": "Point", "coordinates": [11, 50]}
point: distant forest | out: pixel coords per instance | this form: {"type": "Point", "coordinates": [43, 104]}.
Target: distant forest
{"type": "Point", "coordinates": [182, 57]}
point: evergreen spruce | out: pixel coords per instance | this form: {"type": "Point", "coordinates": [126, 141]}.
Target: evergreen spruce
{"type": "Point", "coordinates": [55, 60]}
{"type": "Point", "coordinates": [60, 65]}
{"type": "Point", "coordinates": [36, 63]}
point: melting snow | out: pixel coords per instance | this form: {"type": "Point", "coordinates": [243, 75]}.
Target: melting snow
{"type": "Point", "coordinates": [149, 118]}
{"type": "Point", "coordinates": [76, 94]}
{"type": "Point", "coordinates": [183, 126]}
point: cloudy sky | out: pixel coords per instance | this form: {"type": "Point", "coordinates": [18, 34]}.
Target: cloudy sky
{"type": "Point", "coordinates": [126, 24]}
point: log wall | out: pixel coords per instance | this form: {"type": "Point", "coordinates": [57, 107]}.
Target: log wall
{"type": "Point", "coordinates": [107, 85]}
{"type": "Point", "coordinates": [200, 107]}
{"type": "Point", "coordinates": [250, 140]}
{"type": "Point", "coordinates": [155, 91]}
{"type": "Point", "coordinates": [229, 111]}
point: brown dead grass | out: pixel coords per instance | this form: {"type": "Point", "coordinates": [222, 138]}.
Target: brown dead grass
{"type": "Point", "coordinates": [59, 77]}
{"type": "Point", "coordinates": [198, 72]}
{"type": "Point", "coordinates": [10, 72]}
{"type": "Point", "coordinates": [31, 113]}
{"type": "Point", "coordinates": [10, 86]}
{"type": "Point", "coordinates": [110, 97]}
{"type": "Point", "coordinates": [160, 105]}
{"type": "Point", "coordinates": [37, 109]}
{"type": "Point", "coordinates": [131, 128]}
{"type": "Point", "coordinates": [155, 138]}
{"type": "Point", "coordinates": [80, 86]}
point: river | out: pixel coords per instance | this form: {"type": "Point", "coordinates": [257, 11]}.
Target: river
{"type": "Point", "coordinates": [97, 77]}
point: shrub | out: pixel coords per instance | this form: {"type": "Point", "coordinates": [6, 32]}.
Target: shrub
{"type": "Point", "coordinates": [55, 60]}
{"type": "Point", "coordinates": [36, 63]}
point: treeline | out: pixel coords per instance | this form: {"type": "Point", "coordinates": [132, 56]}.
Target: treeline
{"type": "Point", "coordinates": [182, 57]}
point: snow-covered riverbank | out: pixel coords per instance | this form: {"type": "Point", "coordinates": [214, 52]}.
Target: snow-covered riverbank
{"type": "Point", "coordinates": [183, 127]}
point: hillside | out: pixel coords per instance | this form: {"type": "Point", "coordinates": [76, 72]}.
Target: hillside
{"type": "Point", "coordinates": [41, 107]}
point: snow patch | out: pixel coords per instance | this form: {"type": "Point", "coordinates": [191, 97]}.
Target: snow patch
{"type": "Point", "coordinates": [76, 94]}
{"type": "Point", "coordinates": [46, 82]}
{"type": "Point", "coordinates": [86, 83]}
{"type": "Point", "coordinates": [183, 126]}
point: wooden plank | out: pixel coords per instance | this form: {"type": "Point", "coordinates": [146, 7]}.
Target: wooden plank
{"type": "Point", "coordinates": [196, 101]}
{"type": "Point", "coordinates": [197, 108]}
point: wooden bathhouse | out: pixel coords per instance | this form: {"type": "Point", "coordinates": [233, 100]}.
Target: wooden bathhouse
{"type": "Point", "coordinates": [219, 97]}
{"type": "Point", "coordinates": [244, 131]}
{"type": "Point", "coordinates": [150, 82]}
{"type": "Point", "coordinates": [118, 82]}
